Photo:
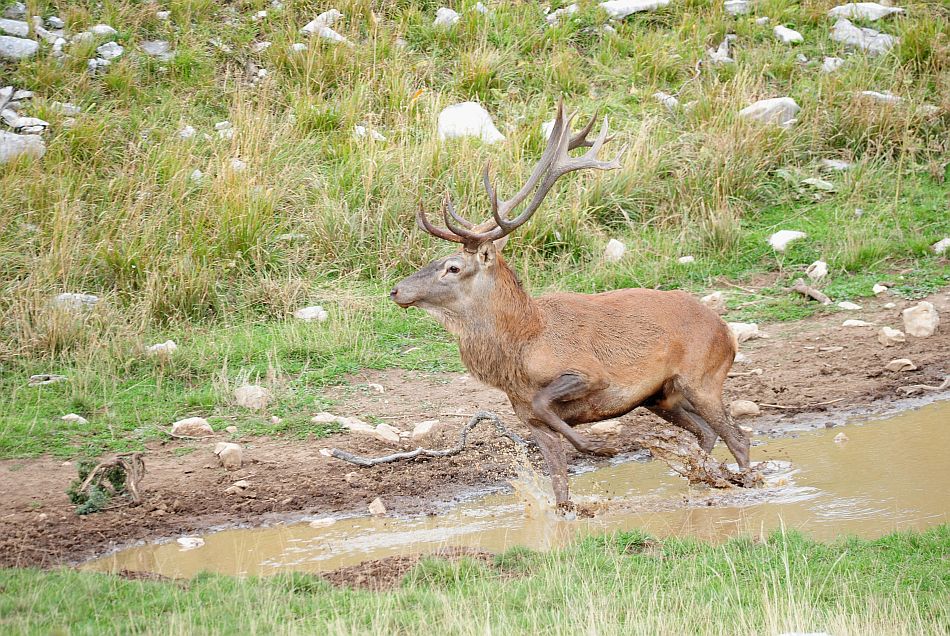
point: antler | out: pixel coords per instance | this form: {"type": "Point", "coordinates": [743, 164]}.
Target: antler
{"type": "Point", "coordinates": [554, 163]}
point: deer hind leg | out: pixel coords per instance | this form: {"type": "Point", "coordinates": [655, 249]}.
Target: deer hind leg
{"type": "Point", "coordinates": [567, 387]}
{"type": "Point", "coordinates": [680, 416]}
{"type": "Point", "coordinates": [708, 405]}
{"type": "Point", "coordinates": [553, 454]}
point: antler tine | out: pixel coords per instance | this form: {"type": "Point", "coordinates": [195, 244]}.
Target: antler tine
{"type": "Point", "coordinates": [448, 213]}
{"type": "Point", "coordinates": [451, 208]}
{"type": "Point", "coordinates": [486, 179]}
{"type": "Point", "coordinates": [424, 224]}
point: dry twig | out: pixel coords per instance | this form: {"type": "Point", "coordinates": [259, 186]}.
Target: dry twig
{"type": "Point", "coordinates": [131, 464]}
{"type": "Point", "coordinates": [920, 388]}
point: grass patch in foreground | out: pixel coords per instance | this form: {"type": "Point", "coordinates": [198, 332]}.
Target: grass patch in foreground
{"type": "Point", "coordinates": [621, 583]}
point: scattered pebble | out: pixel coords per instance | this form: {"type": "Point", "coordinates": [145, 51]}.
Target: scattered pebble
{"type": "Point", "coordinates": [869, 40]}
{"type": "Point", "coordinates": [445, 18]}
{"type": "Point", "coordinates": [856, 323]}
{"type": "Point", "coordinates": [921, 320]}
{"type": "Point", "coordinates": [622, 8]}
{"type": "Point", "coordinates": [231, 429]}
{"type": "Point", "coordinates": [320, 26]}
{"type": "Point", "coordinates": [819, 184]}
{"type": "Point", "coordinates": [309, 314]}
{"type": "Point", "coordinates": [743, 408]}
{"type": "Point", "coordinates": [738, 7]}
{"type": "Point", "coordinates": [863, 11]}
{"type": "Point", "coordinates": [237, 165]}
{"type": "Point", "coordinates": [253, 396]}
{"type": "Point", "coordinates": [786, 35]}
{"type": "Point", "coordinates": [231, 456]}
{"type": "Point", "coordinates": [43, 379]}
{"type": "Point", "coordinates": [890, 305]}
{"type": "Point", "coordinates": [901, 364]}
{"type": "Point", "coordinates": [15, 49]}
{"type": "Point", "coordinates": [196, 175]}
{"type": "Point", "coordinates": [163, 15]}
{"type": "Point", "coordinates": [187, 132]}
{"type": "Point", "coordinates": [831, 64]}
{"type": "Point", "coordinates": [776, 110]}
{"type": "Point", "coordinates": [192, 427]}
{"type": "Point", "coordinates": [666, 99]}
{"type": "Point", "coordinates": [614, 251]}
{"type": "Point", "coordinates": [468, 119]}
{"type": "Point", "coordinates": [159, 49]}
{"type": "Point", "coordinates": [715, 301]}
{"type": "Point", "coordinates": [840, 438]}
{"type": "Point", "coordinates": [424, 429]}
{"type": "Point", "coordinates": [554, 17]}
{"type": "Point", "coordinates": [887, 98]}
{"type": "Point", "coordinates": [72, 418]}
{"type": "Point", "coordinates": [110, 51]}
{"type": "Point", "coordinates": [189, 543]}
{"type": "Point", "coordinates": [849, 306]}
{"type": "Point", "coordinates": [939, 247]}
{"type": "Point", "coordinates": [686, 260]}
{"type": "Point", "coordinates": [780, 240]}
{"type": "Point", "coordinates": [835, 165]}
{"type": "Point", "coordinates": [75, 302]}
{"type": "Point", "coordinates": [745, 331]}
{"type": "Point", "coordinates": [162, 349]}
{"type": "Point", "coordinates": [377, 508]}
{"type": "Point", "coordinates": [762, 21]}
{"type": "Point", "coordinates": [879, 289]}
{"type": "Point", "coordinates": [102, 30]}
{"type": "Point", "coordinates": [323, 522]}
{"type": "Point", "coordinates": [817, 270]}
{"type": "Point", "coordinates": [889, 337]}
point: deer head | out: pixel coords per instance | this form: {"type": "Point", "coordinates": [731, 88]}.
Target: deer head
{"type": "Point", "coordinates": [448, 287]}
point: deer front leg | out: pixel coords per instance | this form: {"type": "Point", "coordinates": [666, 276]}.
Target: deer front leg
{"type": "Point", "coordinates": [567, 387]}
{"type": "Point", "coordinates": [554, 459]}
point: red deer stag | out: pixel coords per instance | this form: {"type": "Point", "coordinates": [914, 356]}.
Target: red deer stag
{"type": "Point", "coordinates": [566, 359]}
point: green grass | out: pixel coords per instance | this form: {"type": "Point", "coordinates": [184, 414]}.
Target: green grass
{"type": "Point", "coordinates": [622, 583]}
{"type": "Point", "coordinates": [319, 216]}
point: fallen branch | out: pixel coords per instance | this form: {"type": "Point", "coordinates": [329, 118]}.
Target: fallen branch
{"type": "Point", "coordinates": [920, 388]}
{"type": "Point", "coordinates": [799, 408]}
{"type": "Point", "coordinates": [743, 374]}
{"type": "Point", "coordinates": [131, 464]}
{"type": "Point", "coordinates": [481, 416]}
{"type": "Point", "coordinates": [681, 452]}
{"type": "Point", "coordinates": [809, 292]}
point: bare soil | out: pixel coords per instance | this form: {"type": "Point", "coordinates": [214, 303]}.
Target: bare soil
{"type": "Point", "coordinates": [811, 369]}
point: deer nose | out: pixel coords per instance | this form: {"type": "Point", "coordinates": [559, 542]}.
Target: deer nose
{"type": "Point", "coordinates": [394, 292]}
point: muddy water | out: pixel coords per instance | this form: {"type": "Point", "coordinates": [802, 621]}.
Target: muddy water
{"type": "Point", "coordinates": [889, 475]}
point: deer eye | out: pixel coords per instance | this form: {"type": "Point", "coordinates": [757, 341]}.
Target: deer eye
{"type": "Point", "coordinates": [453, 269]}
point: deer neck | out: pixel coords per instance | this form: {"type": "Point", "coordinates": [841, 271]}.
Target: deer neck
{"type": "Point", "coordinates": [497, 329]}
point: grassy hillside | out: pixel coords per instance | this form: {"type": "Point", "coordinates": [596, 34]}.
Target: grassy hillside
{"type": "Point", "coordinates": [320, 215]}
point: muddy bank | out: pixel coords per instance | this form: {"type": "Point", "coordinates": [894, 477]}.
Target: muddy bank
{"type": "Point", "coordinates": [815, 370]}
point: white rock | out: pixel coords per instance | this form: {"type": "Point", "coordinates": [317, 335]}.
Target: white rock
{"type": "Point", "coordinates": [325, 418]}
{"type": "Point", "coordinates": [74, 301]}
{"type": "Point", "coordinates": [387, 433]}
{"type": "Point", "coordinates": [745, 331]}
{"type": "Point", "coordinates": [841, 438]}
{"type": "Point", "coordinates": [889, 305]}
{"type": "Point", "coordinates": [314, 312]}
{"type": "Point", "coordinates": [921, 320]}
{"type": "Point", "coordinates": [259, 47]}
{"type": "Point", "coordinates": [192, 427]}
{"type": "Point", "coordinates": [606, 427]}
{"type": "Point", "coordinates": [614, 251]}
{"type": "Point", "coordinates": [863, 11]}
{"type": "Point", "coordinates": [831, 64]}
{"type": "Point", "coordinates": [22, 125]}
{"type": "Point", "coordinates": [323, 522]}
{"type": "Point", "coordinates": [849, 306]}
{"type": "Point", "coordinates": [15, 11]}
{"type": "Point", "coordinates": [667, 100]}
{"type": "Point", "coordinates": [835, 165]}
{"type": "Point", "coordinates": [762, 21]}
{"type": "Point", "coordinates": [743, 408]}
{"type": "Point", "coordinates": [786, 35]}
{"type": "Point", "coordinates": [817, 270]}
{"type": "Point", "coordinates": [163, 348]}
{"type": "Point", "coordinates": [468, 119]}
{"type": "Point", "coordinates": [939, 247]}
{"type": "Point", "coordinates": [741, 358]}
{"type": "Point", "coordinates": [857, 323]}
{"type": "Point", "coordinates": [715, 301]}
{"type": "Point", "coordinates": [320, 26]}
{"type": "Point", "coordinates": [555, 16]}
{"type": "Point", "coordinates": [253, 396]}
{"type": "Point", "coordinates": [97, 64]}
{"type": "Point", "coordinates": [163, 15]}
{"type": "Point", "coordinates": [189, 543]}
{"type": "Point", "coordinates": [623, 8]}
{"type": "Point", "coordinates": [737, 7]}
{"type": "Point", "coordinates": [879, 289]}
{"type": "Point", "coordinates": [231, 456]}
{"type": "Point", "coordinates": [424, 429]}
{"type": "Point", "coordinates": [777, 110]}
{"type": "Point", "coordinates": [868, 40]}
{"type": "Point", "coordinates": [887, 98]}
{"type": "Point", "coordinates": [231, 429]}
{"type": "Point", "coordinates": [481, 8]}
{"type": "Point", "coordinates": [260, 15]}
{"type": "Point", "coordinates": [237, 165]}
{"type": "Point", "coordinates": [721, 55]}
{"type": "Point", "coordinates": [819, 184]}
{"type": "Point", "coordinates": [13, 146]}
{"type": "Point", "coordinates": [901, 364]}
{"type": "Point", "coordinates": [360, 131]}
{"type": "Point", "coordinates": [377, 508]}
{"type": "Point", "coordinates": [43, 379]}
{"type": "Point", "coordinates": [159, 49]}
{"type": "Point", "coordinates": [65, 108]}
{"type": "Point", "coordinates": [109, 51]}
{"type": "Point", "coordinates": [81, 38]}
{"type": "Point", "coordinates": [686, 260]}
{"type": "Point", "coordinates": [298, 47]}
{"type": "Point", "coordinates": [102, 30]}
{"type": "Point", "coordinates": [780, 240]}
{"type": "Point", "coordinates": [187, 132]}
{"type": "Point", "coordinates": [72, 418]}
{"type": "Point", "coordinates": [446, 17]}
{"type": "Point", "coordinates": [196, 175]}
{"type": "Point", "coordinates": [16, 28]}
{"type": "Point", "coordinates": [14, 49]}
{"type": "Point", "coordinates": [887, 336]}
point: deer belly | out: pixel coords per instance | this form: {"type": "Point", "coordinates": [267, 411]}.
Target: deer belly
{"type": "Point", "coordinates": [601, 405]}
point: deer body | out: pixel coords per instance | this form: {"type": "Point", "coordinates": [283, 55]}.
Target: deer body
{"type": "Point", "coordinates": [566, 359]}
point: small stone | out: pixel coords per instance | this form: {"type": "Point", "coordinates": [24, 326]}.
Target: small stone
{"type": "Point", "coordinates": [849, 306]}
{"type": "Point", "coordinates": [554, 17]}
{"type": "Point", "coordinates": [667, 100]}
{"type": "Point", "coordinates": [375, 386]}
{"type": "Point", "coordinates": [840, 438]}
{"type": "Point", "coordinates": [887, 98]}
{"type": "Point", "coordinates": [162, 349]}
{"type": "Point", "coordinates": [323, 522]}
{"type": "Point", "coordinates": [939, 247]}
{"type": "Point", "coordinates": [468, 119]}
{"type": "Point", "coordinates": [831, 64]}
{"type": "Point", "coordinates": [237, 165]}
{"type": "Point", "coordinates": [614, 251]}
{"type": "Point", "coordinates": [863, 11]}
{"type": "Point", "coordinates": [921, 320]}
{"type": "Point", "coordinates": [888, 337]}
{"type": "Point", "coordinates": [187, 132]}
{"type": "Point", "coordinates": [192, 427]}
{"type": "Point", "coordinates": [159, 49]}
{"type": "Point", "coordinates": [16, 28]}
{"type": "Point", "coordinates": [65, 108]}
{"type": "Point", "coordinates": [424, 429]}
{"type": "Point", "coordinates": [869, 40]}
{"type": "Point", "coordinates": [163, 15]}
{"type": "Point", "coordinates": [298, 47]}
{"type": "Point", "coordinates": [75, 302]}
{"type": "Point", "coordinates": [745, 331]}
{"type": "Point", "coordinates": [618, 9]}
{"type": "Point", "coordinates": [312, 313]}
{"type": "Point", "coordinates": [879, 289]}
{"type": "Point", "coordinates": [743, 408]}
{"type": "Point", "coordinates": [15, 11]}
{"type": "Point", "coordinates": [377, 508]}
{"type": "Point", "coordinates": [890, 305]}
{"type": "Point", "coordinates": [260, 15]}
{"type": "Point", "coordinates": [856, 323]}
{"type": "Point", "coordinates": [189, 543]}
{"type": "Point", "coordinates": [606, 428]}
{"type": "Point", "coordinates": [326, 452]}
{"type": "Point", "coordinates": [253, 396]}
{"type": "Point", "coordinates": [275, 420]}
{"type": "Point", "coordinates": [242, 483]}
{"type": "Point", "coordinates": [13, 146]}
{"type": "Point", "coordinates": [819, 184]}
{"type": "Point", "coordinates": [231, 456]}
{"type": "Point", "coordinates": [102, 30]}
{"type": "Point", "coordinates": [231, 429]}
{"type": "Point", "coordinates": [259, 47]}
{"type": "Point", "coordinates": [42, 379]}
{"type": "Point", "coordinates": [900, 364]}
{"type": "Point", "coordinates": [762, 21]}
{"type": "Point", "coordinates": [110, 51]}
{"type": "Point", "coordinates": [780, 240]}
{"type": "Point", "coordinates": [686, 260]}
{"type": "Point", "coordinates": [446, 17]}
{"type": "Point", "coordinates": [387, 433]}
{"type": "Point", "coordinates": [835, 165]}
{"type": "Point", "coordinates": [15, 49]}
{"type": "Point", "coordinates": [786, 35]}
{"type": "Point", "coordinates": [351, 477]}
{"type": "Point", "coordinates": [737, 7]}
{"type": "Point", "coordinates": [817, 270]}
{"type": "Point", "coordinates": [196, 175]}
{"type": "Point", "coordinates": [777, 110]}
{"type": "Point", "coordinates": [72, 418]}
{"type": "Point", "coordinates": [324, 418]}
{"type": "Point", "coordinates": [481, 8]}
{"type": "Point", "coordinates": [715, 301]}
{"type": "Point", "coordinates": [233, 490]}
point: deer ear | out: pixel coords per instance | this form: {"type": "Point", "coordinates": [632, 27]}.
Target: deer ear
{"type": "Point", "coordinates": [486, 253]}
{"type": "Point", "coordinates": [500, 243]}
